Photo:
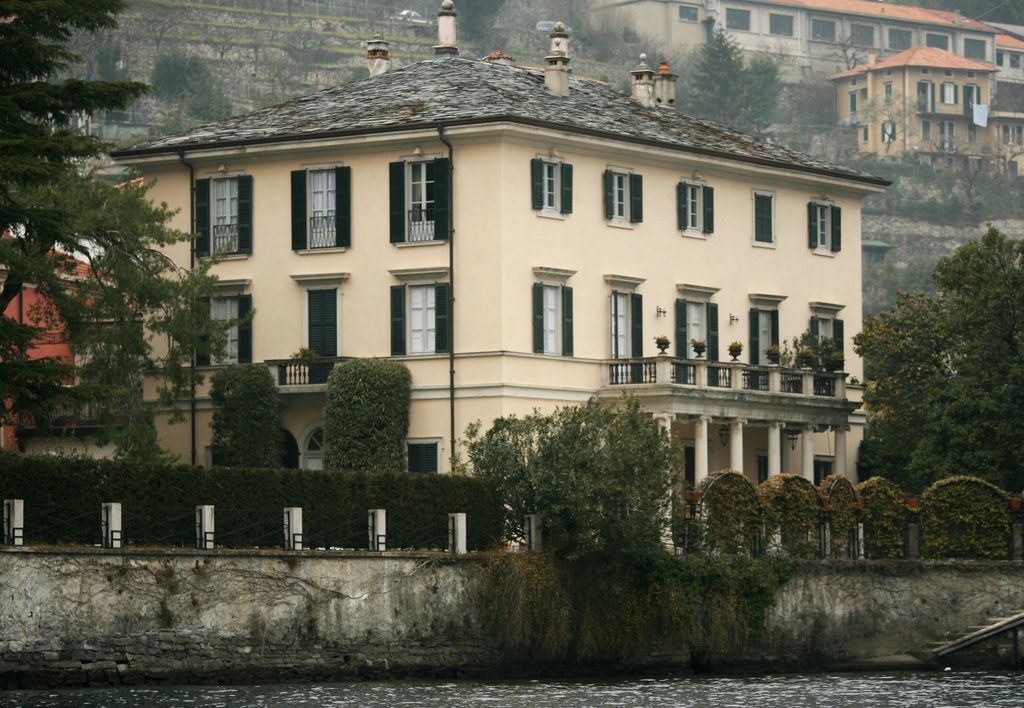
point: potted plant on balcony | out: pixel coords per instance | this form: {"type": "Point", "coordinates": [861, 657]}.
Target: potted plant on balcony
{"type": "Point", "coordinates": [804, 357]}
{"type": "Point", "coordinates": [662, 343]}
{"type": "Point", "coordinates": [836, 361]}
{"type": "Point", "coordinates": [699, 346]}
{"type": "Point", "coordinates": [305, 357]}
{"type": "Point", "coordinates": [773, 353]}
{"type": "Point", "coordinates": [735, 349]}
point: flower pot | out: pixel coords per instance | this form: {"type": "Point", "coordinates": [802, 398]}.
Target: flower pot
{"type": "Point", "coordinates": [699, 349]}
{"type": "Point", "coordinates": [662, 346]}
{"type": "Point", "coordinates": [836, 365]}
{"type": "Point", "coordinates": [773, 358]}
{"type": "Point", "coordinates": [735, 353]}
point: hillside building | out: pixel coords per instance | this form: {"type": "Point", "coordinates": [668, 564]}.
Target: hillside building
{"type": "Point", "coordinates": [518, 238]}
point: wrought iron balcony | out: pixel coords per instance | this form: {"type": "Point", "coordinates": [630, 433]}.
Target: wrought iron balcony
{"type": "Point", "coordinates": [225, 238]}
{"type": "Point", "coordinates": [322, 233]}
{"type": "Point", "coordinates": [421, 224]}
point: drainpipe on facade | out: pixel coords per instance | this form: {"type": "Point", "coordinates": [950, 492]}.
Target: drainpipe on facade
{"type": "Point", "coordinates": [451, 295]}
{"type": "Point", "coordinates": [191, 267]}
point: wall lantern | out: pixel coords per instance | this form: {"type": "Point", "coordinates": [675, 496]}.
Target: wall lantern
{"type": "Point", "coordinates": [723, 434]}
{"type": "Point", "coordinates": [792, 436]}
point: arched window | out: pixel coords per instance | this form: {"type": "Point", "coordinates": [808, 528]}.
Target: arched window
{"type": "Point", "coordinates": [313, 455]}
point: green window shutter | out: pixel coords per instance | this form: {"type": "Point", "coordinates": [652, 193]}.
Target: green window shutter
{"type": "Point", "coordinates": [537, 183]}
{"type": "Point", "coordinates": [323, 322]}
{"type": "Point", "coordinates": [636, 199]}
{"type": "Point", "coordinates": [956, 94]}
{"type": "Point", "coordinates": [755, 336]}
{"type": "Point", "coordinates": [837, 334]}
{"type": "Point", "coordinates": [397, 320]}
{"type": "Point", "coordinates": [244, 329]}
{"type": "Point", "coordinates": [422, 457]}
{"type": "Point", "coordinates": [439, 170]}
{"type": "Point", "coordinates": [396, 188]}
{"type": "Point", "coordinates": [203, 305]}
{"type": "Point", "coordinates": [299, 219]}
{"type": "Point", "coordinates": [837, 229]}
{"type": "Point", "coordinates": [709, 209]}
{"type": "Point", "coordinates": [538, 318]}
{"type": "Point", "coordinates": [637, 323]}
{"type": "Point", "coordinates": [712, 316]}
{"type": "Point", "coordinates": [609, 199]}
{"type": "Point", "coordinates": [775, 327]}
{"type": "Point", "coordinates": [812, 225]}
{"type": "Point", "coordinates": [566, 206]}
{"type": "Point", "coordinates": [567, 338]}
{"type": "Point", "coordinates": [343, 207]}
{"type": "Point", "coordinates": [681, 207]}
{"type": "Point", "coordinates": [245, 214]}
{"type": "Point", "coordinates": [442, 319]}
{"type": "Point", "coordinates": [762, 218]}
{"type": "Point", "coordinates": [682, 346]}
{"type": "Point", "coordinates": [815, 327]}
{"type": "Point", "coordinates": [202, 239]}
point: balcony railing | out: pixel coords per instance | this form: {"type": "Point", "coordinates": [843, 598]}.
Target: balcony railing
{"type": "Point", "coordinates": [421, 224]}
{"type": "Point", "coordinates": [322, 233]}
{"type": "Point", "coordinates": [699, 373]}
{"type": "Point", "coordinates": [297, 373]}
{"type": "Point", "coordinates": [225, 238]}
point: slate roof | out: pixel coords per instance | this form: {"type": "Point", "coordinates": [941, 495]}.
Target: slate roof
{"type": "Point", "coordinates": [455, 91]}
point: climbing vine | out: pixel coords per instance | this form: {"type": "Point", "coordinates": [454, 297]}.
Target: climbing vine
{"type": "Point", "coordinates": [792, 512]}
{"type": "Point", "coordinates": [843, 509]}
{"type": "Point", "coordinates": [730, 515]}
{"type": "Point", "coordinates": [965, 517]}
{"type": "Point", "coordinates": [885, 517]}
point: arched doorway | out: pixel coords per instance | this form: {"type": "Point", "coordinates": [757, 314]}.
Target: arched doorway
{"type": "Point", "coordinates": [313, 455]}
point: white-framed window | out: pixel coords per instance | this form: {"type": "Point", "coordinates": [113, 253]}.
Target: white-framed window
{"type": "Point", "coordinates": [822, 226]}
{"type": "Point", "coordinates": [696, 325]}
{"type": "Point", "coordinates": [552, 319]}
{"type": "Point", "coordinates": [552, 186]}
{"type": "Point", "coordinates": [736, 19]}
{"type": "Point", "coordinates": [621, 316]}
{"type": "Point", "coordinates": [322, 205]}
{"type": "Point", "coordinates": [1013, 134]}
{"type": "Point", "coordinates": [313, 452]}
{"type": "Point", "coordinates": [823, 30]}
{"type": "Point", "coordinates": [420, 199]}
{"type": "Point", "coordinates": [764, 217]}
{"type": "Point", "coordinates": [422, 319]}
{"type": "Point", "coordinates": [225, 309]}
{"type": "Point", "coordinates": [889, 131]}
{"type": "Point", "coordinates": [225, 215]}
{"type": "Point", "coordinates": [949, 91]}
{"type": "Point", "coordinates": [947, 135]}
{"type": "Point", "coordinates": [694, 206]}
{"type": "Point", "coordinates": [689, 13]}
{"type": "Point", "coordinates": [620, 195]}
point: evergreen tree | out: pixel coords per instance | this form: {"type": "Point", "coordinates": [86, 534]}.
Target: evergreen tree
{"type": "Point", "coordinates": [246, 417]}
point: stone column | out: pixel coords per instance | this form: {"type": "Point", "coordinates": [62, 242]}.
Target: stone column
{"type": "Point", "coordinates": [840, 447]}
{"type": "Point", "coordinates": [665, 424]}
{"type": "Point", "coordinates": [774, 449]}
{"type": "Point", "coordinates": [807, 448]}
{"type": "Point", "coordinates": [700, 451]}
{"type": "Point", "coordinates": [736, 444]}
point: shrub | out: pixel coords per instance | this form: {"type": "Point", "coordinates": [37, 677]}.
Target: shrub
{"type": "Point", "coordinates": [246, 417]}
{"type": "Point", "coordinates": [965, 517]}
{"type": "Point", "coordinates": [366, 418]}
{"type": "Point", "coordinates": [159, 503]}
{"type": "Point", "coordinates": [792, 512]}
{"type": "Point", "coordinates": [885, 517]}
{"type": "Point", "coordinates": [842, 515]}
{"type": "Point", "coordinates": [730, 515]}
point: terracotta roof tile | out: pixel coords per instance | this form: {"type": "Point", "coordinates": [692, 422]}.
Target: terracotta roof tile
{"type": "Point", "coordinates": [919, 56]}
{"type": "Point", "coordinates": [1009, 41]}
{"type": "Point", "coordinates": [463, 91]}
{"type": "Point", "coordinates": [887, 9]}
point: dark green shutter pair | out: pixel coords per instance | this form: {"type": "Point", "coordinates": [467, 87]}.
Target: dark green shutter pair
{"type": "Point", "coordinates": [538, 319]}
{"type": "Point", "coordinates": [707, 204]}
{"type": "Point", "coordinates": [323, 322]}
{"type": "Point", "coordinates": [812, 227]}
{"type": "Point", "coordinates": [204, 216]}
{"type": "Point", "coordinates": [837, 331]}
{"type": "Point", "coordinates": [537, 186]}
{"type": "Point", "coordinates": [682, 340]}
{"type": "Point", "coordinates": [636, 197]}
{"type": "Point", "coordinates": [244, 332]}
{"type": "Point", "coordinates": [636, 323]}
{"type": "Point", "coordinates": [442, 330]}
{"type": "Point", "coordinates": [755, 332]}
{"type": "Point", "coordinates": [763, 218]}
{"type": "Point", "coordinates": [439, 172]}
{"type": "Point", "coordinates": [342, 209]}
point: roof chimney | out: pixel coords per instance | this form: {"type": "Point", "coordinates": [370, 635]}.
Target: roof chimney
{"type": "Point", "coordinates": [556, 64]}
{"type": "Point", "coordinates": [378, 58]}
{"type": "Point", "coordinates": [643, 83]}
{"type": "Point", "coordinates": [872, 57]}
{"type": "Point", "coordinates": [665, 86]}
{"type": "Point", "coordinates": [447, 32]}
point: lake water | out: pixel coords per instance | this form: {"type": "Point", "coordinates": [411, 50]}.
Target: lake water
{"type": "Point", "coordinates": [950, 689]}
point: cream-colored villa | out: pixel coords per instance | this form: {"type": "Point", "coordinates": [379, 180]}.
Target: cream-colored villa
{"type": "Point", "coordinates": [519, 238]}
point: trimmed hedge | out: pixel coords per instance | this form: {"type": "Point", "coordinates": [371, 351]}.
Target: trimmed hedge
{"type": "Point", "coordinates": [965, 517]}
{"type": "Point", "coordinates": [885, 517]}
{"type": "Point", "coordinates": [246, 417]}
{"type": "Point", "coordinates": [63, 497]}
{"type": "Point", "coordinates": [366, 418]}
